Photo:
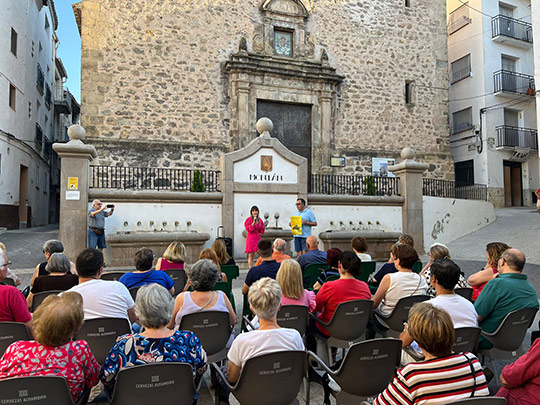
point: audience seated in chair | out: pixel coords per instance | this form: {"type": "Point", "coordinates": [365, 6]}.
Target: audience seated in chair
{"type": "Point", "coordinates": [394, 286]}
{"type": "Point", "coordinates": [278, 249]}
{"type": "Point", "coordinates": [444, 376]}
{"type": "Point", "coordinates": [154, 306]}
{"type": "Point", "coordinates": [174, 257]}
{"type": "Point", "coordinates": [444, 277]}
{"type": "Point", "coordinates": [313, 254]}
{"type": "Point", "coordinates": [268, 268]}
{"type": "Point", "coordinates": [50, 247]}
{"type": "Point", "coordinates": [479, 279]}
{"type": "Point", "coordinates": [265, 301]}
{"type": "Point", "coordinates": [387, 268]}
{"type": "Point", "coordinates": [144, 274]}
{"type": "Point", "coordinates": [59, 277]}
{"type": "Point", "coordinates": [203, 275]}
{"type": "Point", "coordinates": [53, 352]}
{"type": "Point", "coordinates": [289, 277]}
{"type": "Point", "coordinates": [508, 292]}
{"type": "Point", "coordinates": [13, 306]}
{"type": "Point", "coordinates": [438, 251]}
{"type": "Point", "coordinates": [332, 259]}
{"type": "Point", "coordinates": [360, 247]}
{"type": "Point", "coordinates": [220, 249]}
{"type": "Point", "coordinates": [346, 288]}
{"type": "Point", "coordinates": [10, 274]}
{"type": "Point", "coordinates": [101, 299]}
{"type": "Point", "coordinates": [521, 379]}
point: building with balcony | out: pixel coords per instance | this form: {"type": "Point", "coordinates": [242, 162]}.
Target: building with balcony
{"type": "Point", "coordinates": [30, 113]}
{"type": "Point", "coordinates": [493, 137]}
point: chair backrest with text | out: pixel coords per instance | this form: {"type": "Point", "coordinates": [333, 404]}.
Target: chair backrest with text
{"type": "Point", "coordinates": [43, 390]}
{"type": "Point", "coordinates": [179, 277]}
{"type": "Point", "coordinates": [212, 328]}
{"type": "Point", "coordinates": [400, 313]}
{"type": "Point", "coordinates": [12, 332]}
{"type": "Point", "coordinates": [166, 383]}
{"type": "Point", "coordinates": [293, 317]}
{"type": "Point", "coordinates": [38, 298]}
{"type": "Point", "coordinates": [101, 334]}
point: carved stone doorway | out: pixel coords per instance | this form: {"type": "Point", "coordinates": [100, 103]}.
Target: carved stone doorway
{"type": "Point", "coordinates": [292, 125]}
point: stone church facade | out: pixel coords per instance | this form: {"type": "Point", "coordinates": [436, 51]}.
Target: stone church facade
{"type": "Point", "coordinates": [177, 83]}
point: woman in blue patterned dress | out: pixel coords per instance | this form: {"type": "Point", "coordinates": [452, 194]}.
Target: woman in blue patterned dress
{"type": "Point", "coordinates": [154, 306]}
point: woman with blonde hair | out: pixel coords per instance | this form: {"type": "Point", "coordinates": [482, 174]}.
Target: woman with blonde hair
{"type": "Point", "coordinates": [438, 251]}
{"type": "Point", "coordinates": [479, 279]}
{"type": "Point", "coordinates": [220, 250]}
{"type": "Point", "coordinates": [289, 277]}
{"type": "Point", "coordinates": [56, 321]}
{"type": "Point", "coordinates": [173, 257]}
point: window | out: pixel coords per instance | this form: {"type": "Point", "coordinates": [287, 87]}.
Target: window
{"type": "Point", "coordinates": [12, 97]}
{"type": "Point", "coordinates": [39, 136]}
{"type": "Point", "coordinates": [460, 69]}
{"type": "Point", "coordinates": [409, 92]}
{"type": "Point", "coordinates": [462, 120]}
{"type": "Point", "coordinates": [13, 41]}
{"type": "Point", "coordinates": [506, 10]}
{"type": "Point", "coordinates": [407, 3]}
{"type": "Point", "coordinates": [464, 172]}
{"type": "Point", "coordinates": [40, 82]}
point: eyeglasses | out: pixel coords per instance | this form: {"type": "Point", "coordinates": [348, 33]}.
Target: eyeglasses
{"type": "Point", "coordinates": [6, 264]}
{"type": "Point", "coordinates": [298, 203]}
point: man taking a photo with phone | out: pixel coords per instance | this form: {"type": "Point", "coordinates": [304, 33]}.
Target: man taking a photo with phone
{"type": "Point", "coordinates": [96, 224]}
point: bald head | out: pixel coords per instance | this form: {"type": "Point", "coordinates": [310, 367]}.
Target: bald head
{"type": "Point", "coordinates": [514, 260]}
{"type": "Point", "coordinates": [312, 242]}
{"type": "Point", "coordinates": [279, 245]}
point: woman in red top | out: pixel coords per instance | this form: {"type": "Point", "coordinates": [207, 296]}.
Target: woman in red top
{"type": "Point", "coordinates": [54, 352]}
{"type": "Point", "coordinates": [255, 228]}
{"type": "Point", "coordinates": [173, 257]}
{"type": "Point", "coordinates": [346, 288]}
{"type": "Point", "coordinates": [479, 279]}
{"type": "Point", "coordinates": [521, 379]}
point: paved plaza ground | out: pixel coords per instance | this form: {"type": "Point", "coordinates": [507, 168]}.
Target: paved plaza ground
{"type": "Point", "coordinates": [518, 227]}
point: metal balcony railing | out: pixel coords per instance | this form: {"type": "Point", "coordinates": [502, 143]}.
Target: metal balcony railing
{"type": "Point", "coordinates": [62, 99]}
{"type": "Point", "coordinates": [511, 28]}
{"type": "Point", "coordinates": [509, 136]}
{"type": "Point", "coordinates": [40, 83]}
{"type": "Point", "coordinates": [513, 82]}
{"type": "Point", "coordinates": [453, 189]}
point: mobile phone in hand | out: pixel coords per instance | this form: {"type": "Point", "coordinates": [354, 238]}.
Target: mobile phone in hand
{"type": "Point", "coordinates": [110, 205]}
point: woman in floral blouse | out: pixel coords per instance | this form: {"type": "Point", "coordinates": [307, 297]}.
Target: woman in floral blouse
{"type": "Point", "coordinates": [53, 352]}
{"type": "Point", "coordinates": [154, 306]}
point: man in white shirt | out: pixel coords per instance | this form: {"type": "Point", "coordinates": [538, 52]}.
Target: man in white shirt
{"type": "Point", "coordinates": [444, 278]}
{"type": "Point", "coordinates": [101, 299]}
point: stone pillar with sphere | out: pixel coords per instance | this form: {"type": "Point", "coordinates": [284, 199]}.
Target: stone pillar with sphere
{"type": "Point", "coordinates": [75, 157]}
{"type": "Point", "coordinates": [410, 173]}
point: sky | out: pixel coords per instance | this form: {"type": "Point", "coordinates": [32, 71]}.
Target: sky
{"type": "Point", "coordinates": [70, 45]}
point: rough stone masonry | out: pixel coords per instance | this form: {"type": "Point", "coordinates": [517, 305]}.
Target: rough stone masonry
{"type": "Point", "coordinates": [174, 83]}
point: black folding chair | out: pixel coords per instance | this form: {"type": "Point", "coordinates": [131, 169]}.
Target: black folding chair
{"type": "Point", "coordinates": [366, 370]}
{"type": "Point", "coordinates": [167, 383]}
{"type": "Point", "coordinates": [293, 317]}
{"type": "Point", "coordinates": [101, 334]}
{"type": "Point", "coordinates": [12, 332]}
{"type": "Point", "coordinates": [113, 275]}
{"type": "Point", "coordinates": [180, 279]}
{"type": "Point", "coordinates": [465, 292]}
{"type": "Point", "coordinates": [38, 298]}
{"type": "Point", "coordinates": [400, 314]}
{"type": "Point", "coordinates": [44, 390]}
{"type": "Point", "coordinates": [270, 379]}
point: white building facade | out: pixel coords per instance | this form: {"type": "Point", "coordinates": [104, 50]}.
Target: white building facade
{"type": "Point", "coordinates": [30, 109]}
{"type": "Point", "coordinates": [494, 137]}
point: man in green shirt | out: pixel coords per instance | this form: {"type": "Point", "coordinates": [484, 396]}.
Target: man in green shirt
{"type": "Point", "coordinates": [508, 292]}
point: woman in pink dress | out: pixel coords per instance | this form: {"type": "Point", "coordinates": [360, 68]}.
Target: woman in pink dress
{"type": "Point", "coordinates": [255, 228]}
{"type": "Point", "coordinates": [173, 258]}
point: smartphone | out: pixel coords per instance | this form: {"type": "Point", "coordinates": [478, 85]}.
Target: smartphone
{"type": "Point", "coordinates": [110, 205]}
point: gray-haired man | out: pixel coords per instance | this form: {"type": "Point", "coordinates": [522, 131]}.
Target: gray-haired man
{"type": "Point", "coordinates": [96, 224]}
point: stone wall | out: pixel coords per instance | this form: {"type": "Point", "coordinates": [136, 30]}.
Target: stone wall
{"type": "Point", "coordinates": [154, 78]}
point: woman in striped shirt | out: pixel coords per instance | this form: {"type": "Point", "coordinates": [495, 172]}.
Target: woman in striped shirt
{"type": "Point", "coordinates": [443, 376]}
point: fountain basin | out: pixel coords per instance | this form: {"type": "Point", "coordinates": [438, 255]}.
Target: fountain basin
{"type": "Point", "coordinates": [122, 246]}
{"type": "Point", "coordinates": [379, 242]}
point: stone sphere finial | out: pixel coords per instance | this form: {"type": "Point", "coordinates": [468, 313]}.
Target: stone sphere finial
{"type": "Point", "coordinates": [264, 125]}
{"type": "Point", "coordinates": [407, 153]}
{"type": "Point", "coordinates": [76, 132]}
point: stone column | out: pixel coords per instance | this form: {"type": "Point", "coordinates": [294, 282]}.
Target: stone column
{"type": "Point", "coordinates": [326, 130]}
{"type": "Point", "coordinates": [410, 175]}
{"type": "Point", "coordinates": [242, 111]}
{"type": "Point", "coordinates": [74, 160]}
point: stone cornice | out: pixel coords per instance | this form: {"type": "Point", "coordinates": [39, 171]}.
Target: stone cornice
{"type": "Point", "coordinates": [244, 62]}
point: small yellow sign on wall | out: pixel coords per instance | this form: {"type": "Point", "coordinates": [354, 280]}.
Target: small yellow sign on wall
{"type": "Point", "coordinates": [73, 183]}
